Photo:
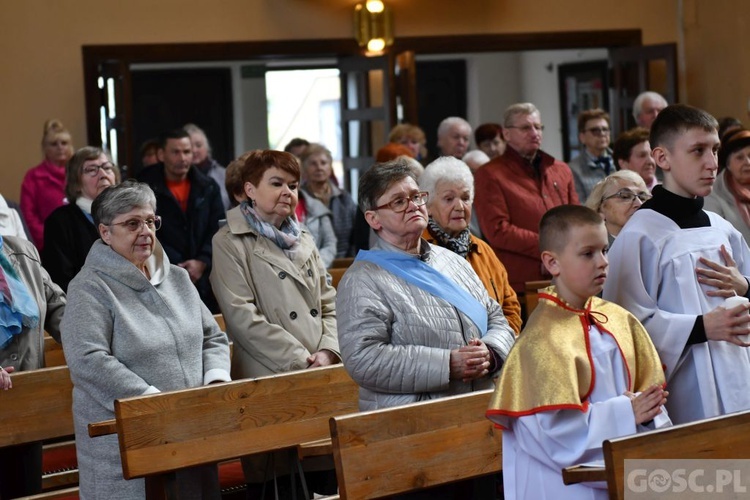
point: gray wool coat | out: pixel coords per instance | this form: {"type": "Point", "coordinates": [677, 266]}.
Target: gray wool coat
{"type": "Point", "coordinates": [124, 336]}
{"type": "Point", "coordinates": [396, 338]}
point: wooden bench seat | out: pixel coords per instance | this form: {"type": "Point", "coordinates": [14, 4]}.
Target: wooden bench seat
{"type": "Point", "coordinates": [164, 432]}
{"type": "Point", "coordinates": [386, 452]}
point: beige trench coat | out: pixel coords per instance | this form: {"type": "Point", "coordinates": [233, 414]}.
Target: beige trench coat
{"type": "Point", "coordinates": [277, 311]}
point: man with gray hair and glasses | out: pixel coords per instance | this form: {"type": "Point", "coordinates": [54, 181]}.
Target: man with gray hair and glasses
{"type": "Point", "coordinates": [514, 190]}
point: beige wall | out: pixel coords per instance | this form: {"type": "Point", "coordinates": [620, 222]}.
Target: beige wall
{"type": "Point", "coordinates": [718, 74]}
{"type": "Point", "coordinates": [40, 43]}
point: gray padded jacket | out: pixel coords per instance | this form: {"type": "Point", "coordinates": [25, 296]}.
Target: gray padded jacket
{"type": "Point", "coordinates": [396, 338]}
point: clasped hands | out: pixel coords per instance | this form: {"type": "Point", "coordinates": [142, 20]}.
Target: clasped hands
{"type": "Point", "coordinates": [648, 403]}
{"type": "Point", "coordinates": [470, 362]}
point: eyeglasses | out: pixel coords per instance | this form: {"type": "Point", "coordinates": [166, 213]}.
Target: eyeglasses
{"type": "Point", "coordinates": [629, 196]}
{"type": "Point", "coordinates": [93, 170]}
{"type": "Point", "coordinates": [598, 130]}
{"type": "Point", "coordinates": [136, 225]}
{"type": "Point", "coordinates": [401, 204]}
{"type": "Point", "coordinates": [528, 128]}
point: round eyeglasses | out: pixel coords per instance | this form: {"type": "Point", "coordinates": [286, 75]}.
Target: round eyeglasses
{"type": "Point", "coordinates": [136, 225]}
{"type": "Point", "coordinates": [401, 204]}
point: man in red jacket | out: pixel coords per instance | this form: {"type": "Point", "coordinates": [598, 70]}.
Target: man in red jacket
{"type": "Point", "coordinates": [514, 190]}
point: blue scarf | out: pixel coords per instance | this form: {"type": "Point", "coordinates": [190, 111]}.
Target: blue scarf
{"type": "Point", "coordinates": [17, 307]}
{"type": "Point", "coordinates": [421, 275]}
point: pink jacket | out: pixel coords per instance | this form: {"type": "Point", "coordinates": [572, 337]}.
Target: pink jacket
{"type": "Point", "coordinates": [510, 201]}
{"type": "Point", "coordinates": [42, 191]}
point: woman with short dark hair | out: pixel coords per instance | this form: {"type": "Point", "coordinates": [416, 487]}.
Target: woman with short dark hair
{"type": "Point", "coordinates": [69, 231]}
{"type": "Point", "coordinates": [271, 284]}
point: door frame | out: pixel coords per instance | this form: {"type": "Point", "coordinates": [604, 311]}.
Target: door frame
{"type": "Point", "coordinates": [96, 56]}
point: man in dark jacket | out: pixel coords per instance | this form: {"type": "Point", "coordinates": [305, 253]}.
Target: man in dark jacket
{"type": "Point", "coordinates": [190, 206]}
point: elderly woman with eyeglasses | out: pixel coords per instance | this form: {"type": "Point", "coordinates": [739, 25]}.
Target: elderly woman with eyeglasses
{"type": "Point", "coordinates": [450, 185]}
{"type": "Point", "coordinates": [69, 231]}
{"type": "Point", "coordinates": [616, 198]}
{"type": "Point", "coordinates": [414, 320]}
{"type": "Point", "coordinates": [134, 325]}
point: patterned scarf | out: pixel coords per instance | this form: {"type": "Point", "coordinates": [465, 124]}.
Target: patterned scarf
{"type": "Point", "coordinates": [17, 307]}
{"type": "Point", "coordinates": [286, 237]}
{"type": "Point", "coordinates": [460, 244]}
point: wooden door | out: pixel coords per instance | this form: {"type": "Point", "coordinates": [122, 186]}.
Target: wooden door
{"type": "Point", "coordinates": [636, 70]}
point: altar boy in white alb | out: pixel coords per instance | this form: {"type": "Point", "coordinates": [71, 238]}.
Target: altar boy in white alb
{"type": "Point", "coordinates": [673, 265]}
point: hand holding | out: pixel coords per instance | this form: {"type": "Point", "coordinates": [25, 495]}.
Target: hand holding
{"type": "Point", "coordinates": [728, 324]}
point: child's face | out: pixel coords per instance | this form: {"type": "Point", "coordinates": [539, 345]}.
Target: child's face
{"type": "Point", "coordinates": [691, 162]}
{"type": "Point", "coordinates": [581, 268]}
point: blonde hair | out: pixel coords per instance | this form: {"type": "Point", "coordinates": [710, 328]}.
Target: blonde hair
{"type": "Point", "coordinates": [54, 128]}
{"type": "Point", "coordinates": [596, 198]}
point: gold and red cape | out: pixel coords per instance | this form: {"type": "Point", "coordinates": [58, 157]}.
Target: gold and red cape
{"type": "Point", "coordinates": [550, 366]}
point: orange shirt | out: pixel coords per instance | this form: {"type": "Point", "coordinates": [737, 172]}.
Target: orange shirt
{"type": "Point", "coordinates": [181, 191]}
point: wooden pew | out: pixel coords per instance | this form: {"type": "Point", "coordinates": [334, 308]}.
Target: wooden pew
{"type": "Point", "coordinates": [342, 262]}
{"type": "Point", "coordinates": [39, 407]}
{"type": "Point", "coordinates": [725, 437]}
{"type": "Point", "coordinates": [220, 321]}
{"type": "Point", "coordinates": [531, 295]}
{"type": "Point", "coordinates": [386, 452]}
{"type": "Point", "coordinates": [161, 433]}
{"type": "Point", "coordinates": [53, 353]}
{"type": "Point", "coordinates": [336, 274]}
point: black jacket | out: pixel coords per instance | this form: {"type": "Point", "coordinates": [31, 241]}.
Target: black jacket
{"type": "Point", "coordinates": [68, 236]}
{"type": "Point", "coordinates": [187, 235]}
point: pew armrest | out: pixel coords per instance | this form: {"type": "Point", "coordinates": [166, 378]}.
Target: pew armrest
{"type": "Point", "coordinates": [102, 428]}
{"type": "Point", "coordinates": [581, 474]}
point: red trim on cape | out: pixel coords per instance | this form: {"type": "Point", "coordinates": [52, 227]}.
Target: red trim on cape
{"type": "Point", "coordinates": [583, 408]}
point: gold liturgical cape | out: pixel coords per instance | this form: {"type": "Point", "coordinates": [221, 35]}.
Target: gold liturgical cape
{"type": "Point", "coordinates": [550, 367]}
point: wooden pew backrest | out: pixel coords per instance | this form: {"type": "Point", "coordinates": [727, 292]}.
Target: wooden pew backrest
{"type": "Point", "coordinates": [21, 418]}
{"type": "Point", "coordinates": [53, 353]}
{"type": "Point", "coordinates": [390, 451]}
{"type": "Point", "coordinates": [220, 321]}
{"type": "Point", "coordinates": [725, 437]}
{"type": "Point", "coordinates": [531, 294]}
{"type": "Point", "coordinates": [342, 262]}
{"type": "Point", "coordinates": [169, 431]}
{"type": "Point", "coordinates": [336, 274]}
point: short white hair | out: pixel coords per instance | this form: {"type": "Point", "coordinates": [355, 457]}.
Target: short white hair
{"type": "Point", "coordinates": [475, 157]}
{"type": "Point", "coordinates": [644, 96]}
{"type": "Point", "coordinates": [451, 122]}
{"type": "Point", "coordinates": [446, 169]}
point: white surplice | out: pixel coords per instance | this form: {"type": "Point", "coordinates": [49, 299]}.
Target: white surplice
{"type": "Point", "coordinates": [652, 274]}
{"type": "Point", "coordinates": [537, 447]}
